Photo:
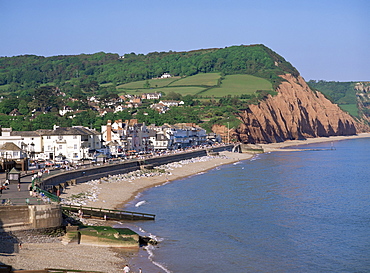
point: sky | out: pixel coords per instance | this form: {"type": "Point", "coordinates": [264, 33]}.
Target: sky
{"type": "Point", "coordinates": [324, 39]}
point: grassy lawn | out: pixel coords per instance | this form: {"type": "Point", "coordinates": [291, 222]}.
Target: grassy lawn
{"type": "Point", "coordinates": [350, 108]}
{"type": "Point", "coordinates": [183, 90]}
{"type": "Point", "coordinates": [201, 79]}
{"type": "Point", "coordinates": [153, 83]}
{"type": "Point", "coordinates": [238, 85]}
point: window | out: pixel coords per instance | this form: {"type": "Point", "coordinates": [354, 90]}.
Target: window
{"type": "Point", "coordinates": [48, 137]}
{"type": "Point", "coordinates": [60, 147]}
{"type": "Point", "coordinates": [60, 137]}
{"type": "Point", "coordinates": [49, 148]}
{"type": "Point", "coordinates": [74, 137]}
{"type": "Point", "coordinates": [15, 154]}
{"type": "Point", "coordinates": [75, 146]}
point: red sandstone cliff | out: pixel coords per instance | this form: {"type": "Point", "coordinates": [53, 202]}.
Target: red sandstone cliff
{"type": "Point", "coordinates": [296, 112]}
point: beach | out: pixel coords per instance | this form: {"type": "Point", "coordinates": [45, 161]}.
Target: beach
{"type": "Point", "coordinates": [115, 192]}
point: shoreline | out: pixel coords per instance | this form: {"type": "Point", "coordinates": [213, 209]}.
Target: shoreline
{"type": "Point", "coordinates": [116, 191]}
{"type": "Point", "coordinates": [275, 147]}
{"type": "Point", "coordinates": [116, 194]}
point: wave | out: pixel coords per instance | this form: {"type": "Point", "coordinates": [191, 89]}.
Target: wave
{"type": "Point", "coordinates": [138, 204]}
{"type": "Point", "coordinates": [149, 249]}
{"type": "Point", "coordinates": [257, 157]}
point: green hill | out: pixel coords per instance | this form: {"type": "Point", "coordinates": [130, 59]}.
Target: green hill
{"type": "Point", "coordinates": [213, 83]}
{"type": "Point", "coordinates": [341, 93]}
{"type": "Point", "coordinates": [30, 71]}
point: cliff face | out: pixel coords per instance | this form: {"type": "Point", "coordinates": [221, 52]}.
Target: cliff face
{"type": "Point", "coordinates": [296, 112]}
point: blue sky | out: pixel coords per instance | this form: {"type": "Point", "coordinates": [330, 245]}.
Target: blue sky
{"type": "Point", "coordinates": [326, 39]}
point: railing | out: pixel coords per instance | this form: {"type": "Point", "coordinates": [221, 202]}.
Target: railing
{"type": "Point", "coordinates": [49, 195]}
{"type": "Point", "coordinates": [109, 213]}
{"type": "Point", "coordinates": [52, 270]}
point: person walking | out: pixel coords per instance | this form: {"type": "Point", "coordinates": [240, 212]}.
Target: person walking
{"type": "Point", "coordinates": [126, 269]}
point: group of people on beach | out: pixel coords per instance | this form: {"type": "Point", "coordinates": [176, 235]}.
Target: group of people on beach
{"type": "Point", "coordinates": [127, 269]}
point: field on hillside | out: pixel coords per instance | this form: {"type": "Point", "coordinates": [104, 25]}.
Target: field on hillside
{"type": "Point", "coordinates": [237, 85]}
{"type": "Point", "coordinates": [183, 90]}
{"type": "Point", "coordinates": [203, 79]}
{"type": "Point", "coordinates": [234, 85]}
{"type": "Point", "coordinates": [153, 83]}
{"type": "Point", "coordinates": [350, 108]}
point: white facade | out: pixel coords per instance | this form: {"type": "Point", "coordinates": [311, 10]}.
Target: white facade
{"type": "Point", "coordinates": [10, 151]}
{"type": "Point", "coordinates": [72, 143]}
{"type": "Point", "coordinates": [29, 141]}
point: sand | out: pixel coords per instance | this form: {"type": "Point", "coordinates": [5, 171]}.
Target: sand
{"type": "Point", "coordinates": [113, 193]}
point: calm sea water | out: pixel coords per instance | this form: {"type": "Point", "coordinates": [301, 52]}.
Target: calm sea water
{"type": "Point", "coordinates": [279, 212]}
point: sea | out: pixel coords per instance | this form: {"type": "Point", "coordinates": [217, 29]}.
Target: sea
{"type": "Point", "coordinates": [300, 211]}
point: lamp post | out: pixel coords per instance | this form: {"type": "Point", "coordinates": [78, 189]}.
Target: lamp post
{"type": "Point", "coordinates": [228, 132]}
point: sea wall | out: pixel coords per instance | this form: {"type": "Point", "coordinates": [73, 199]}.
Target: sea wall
{"type": "Point", "coordinates": [97, 172]}
{"type": "Point", "coordinates": [30, 217]}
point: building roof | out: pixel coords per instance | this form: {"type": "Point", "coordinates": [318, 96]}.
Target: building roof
{"type": "Point", "coordinates": [9, 146]}
{"type": "Point", "coordinates": [25, 133]}
{"type": "Point", "coordinates": [76, 130]}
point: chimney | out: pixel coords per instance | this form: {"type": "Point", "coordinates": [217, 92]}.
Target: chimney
{"type": "Point", "coordinates": [120, 123]}
{"type": "Point", "coordinates": [109, 130]}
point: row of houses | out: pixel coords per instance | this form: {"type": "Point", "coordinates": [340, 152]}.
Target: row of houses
{"type": "Point", "coordinates": [61, 142]}
{"type": "Point", "coordinates": [117, 138]}
{"type": "Point", "coordinates": [132, 136]}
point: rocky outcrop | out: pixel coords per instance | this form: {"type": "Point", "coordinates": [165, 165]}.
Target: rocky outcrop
{"type": "Point", "coordinates": [296, 112]}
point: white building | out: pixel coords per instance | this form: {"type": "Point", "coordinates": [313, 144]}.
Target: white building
{"type": "Point", "coordinates": [72, 143]}
{"type": "Point", "coordinates": [151, 96]}
{"type": "Point", "coordinates": [10, 151]}
{"type": "Point", "coordinates": [170, 103]}
{"type": "Point", "coordinates": [166, 75]}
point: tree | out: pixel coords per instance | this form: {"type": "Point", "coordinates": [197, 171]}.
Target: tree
{"type": "Point", "coordinates": [146, 84]}
{"type": "Point", "coordinates": [23, 108]}
{"type": "Point", "coordinates": [173, 96]}
{"type": "Point", "coordinates": [8, 105]}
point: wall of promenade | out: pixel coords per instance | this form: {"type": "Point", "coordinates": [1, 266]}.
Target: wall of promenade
{"type": "Point", "coordinates": [97, 172]}
{"type": "Point", "coordinates": [30, 217]}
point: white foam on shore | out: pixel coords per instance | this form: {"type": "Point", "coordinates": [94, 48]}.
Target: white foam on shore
{"type": "Point", "coordinates": [149, 249]}
{"type": "Point", "coordinates": [138, 204]}
{"type": "Point", "coordinates": [255, 158]}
